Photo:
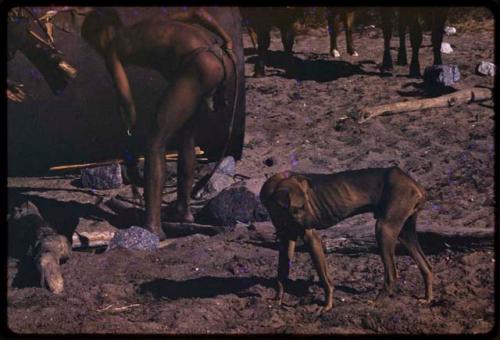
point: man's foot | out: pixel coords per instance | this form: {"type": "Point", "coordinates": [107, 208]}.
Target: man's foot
{"type": "Point", "coordinates": [158, 231]}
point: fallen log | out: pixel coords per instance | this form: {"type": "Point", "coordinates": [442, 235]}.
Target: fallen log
{"type": "Point", "coordinates": [174, 229]}
{"type": "Point", "coordinates": [100, 238]}
{"type": "Point", "coordinates": [474, 94]}
{"type": "Point", "coordinates": [88, 239]}
{"type": "Point", "coordinates": [169, 157]}
{"type": "Point", "coordinates": [48, 248]}
{"type": "Point", "coordinates": [360, 239]}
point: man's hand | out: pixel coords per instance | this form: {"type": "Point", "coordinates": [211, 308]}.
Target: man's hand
{"type": "Point", "coordinates": [128, 117]}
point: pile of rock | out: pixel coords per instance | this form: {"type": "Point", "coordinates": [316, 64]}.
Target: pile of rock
{"type": "Point", "coordinates": [238, 203]}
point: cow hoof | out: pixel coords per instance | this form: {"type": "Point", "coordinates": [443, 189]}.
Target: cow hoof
{"type": "Point", "coordinates": [335, 53]}
{"type": "Point", "coordinates": [354, 54]}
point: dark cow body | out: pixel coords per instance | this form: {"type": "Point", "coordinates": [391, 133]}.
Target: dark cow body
{"type": "Point", "coordinates": [84, 124]}
{"type": "Point", "coordinates": [259, 22]}
{"type": "Point", "coordinates": [409, 19]}
{"type": "Point", "coordinates": [20, 27]}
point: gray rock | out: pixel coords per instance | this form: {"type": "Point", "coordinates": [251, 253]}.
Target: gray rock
{"type": "Point", "coordinates": [103, 177]}
{"type": "Point", "coordinates": [135, 238]}
{"type": "Point", "coordinates": [239, 202]}
{"type": "Point", "coordinates": [486, 68]}
{"type": "Point", "coordinates": [218, 182]}
{"type": "Point", "coordinates": [441, 75]}
{"type": "Point", "coordinates": [446, 48]}
{"type": "Point", "coordinates": [227, 166]}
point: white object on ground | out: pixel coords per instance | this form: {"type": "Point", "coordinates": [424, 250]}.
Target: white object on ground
{"type": "Point", "coordinates": [486, 68]}
{"type": "Point", "coordinates": [449, 30]}
{"type": "Point", "coordinates": [446, 48]}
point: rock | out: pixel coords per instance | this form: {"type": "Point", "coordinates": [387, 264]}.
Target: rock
{"type": "Point", "coordinates": [450, 30]}
{"type": "Point", "coordinates": [486, 68]}
{"type": "Point", "coordinates": [240, 202]}
{"type": "Point", "coordinates": [441, 75]}
{"type": "Point", "coordinates": [446, 48]}
{"type": "Point", "coordinates": [227, 166]}
{"type": "Point", "coordinates": [218, 182]}
{"type": "Point", "coordinates": [103, 177]}
{"type": "Point", "coordinates": [135, 238]}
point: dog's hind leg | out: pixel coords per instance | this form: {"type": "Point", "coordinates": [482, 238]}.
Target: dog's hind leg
{"type": "Point", "coordinates": [408, 238]}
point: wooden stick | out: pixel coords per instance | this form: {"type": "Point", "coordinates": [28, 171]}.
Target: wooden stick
{"type": "Point", "coordinates": [474, 94]}
{"type": "Point", "coordinates": [168, 157]}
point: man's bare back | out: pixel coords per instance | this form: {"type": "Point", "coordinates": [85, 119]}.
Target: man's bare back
{"type": "Point", "coordinates": [161, 45]}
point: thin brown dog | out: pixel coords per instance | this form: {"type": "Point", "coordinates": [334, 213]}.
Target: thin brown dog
{"type": "Point", "coordinates": [300, 203]}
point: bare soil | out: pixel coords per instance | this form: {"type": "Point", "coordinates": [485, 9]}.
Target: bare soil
{"type": "Point", "coordinates": [225, 283]}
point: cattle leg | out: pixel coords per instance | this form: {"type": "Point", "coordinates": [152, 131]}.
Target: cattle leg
{"type": "Point", "coordinates": [348, 24]}
{"type": "Point", "coordinates": [185, 171]}
{"type": "Point", "coordinates": [312, 239]}
{"type": "Point", "coordinates": [286, 253]}
{"type": "Point", "coordinates": [402, 24]}
{"type": "Point", "coordinates": [416, 41]}
{"type": "Point", "coordinates": [386, 16]}
{"type": "Point", "coordinates": [408, 238]}
{"type": "Point", "coordinates": [176, 109]}
{"type": "Point", "coordinates": [287, 38]}
{"type": "Point", "coordinates": [438, 21]}
{"type": "Point", "coordinates": [333, 29]}
{"type": "Point", "coordinates": [263, 42]}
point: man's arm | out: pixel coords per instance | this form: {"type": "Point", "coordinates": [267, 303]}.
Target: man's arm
{"type": "Point", "coordinates": [120, 80]}
{"type": "Point", "coordinates": [204, 18]}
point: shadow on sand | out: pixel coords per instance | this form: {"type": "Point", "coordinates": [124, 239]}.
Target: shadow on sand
{"type": "Point", "coordinates": [318, 70]}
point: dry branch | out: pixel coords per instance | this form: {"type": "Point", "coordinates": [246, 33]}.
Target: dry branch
{"type": "Point", "coordinates": [172, 156]}
{"type": "Point", "coordinates": [474, 94]}
{"type": "Point", "coordinates": [185, 229]}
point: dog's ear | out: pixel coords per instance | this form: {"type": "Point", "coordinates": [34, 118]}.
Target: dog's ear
{"type": "Point", "coordinates": [304, 182]}
{"type": "Point", "coordinates": [282, 198]}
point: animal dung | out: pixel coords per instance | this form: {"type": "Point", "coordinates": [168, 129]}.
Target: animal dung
{"type": "Point", "coordinates": [102, 177]}
{"type": "Point", "coordinates": [269, 161]}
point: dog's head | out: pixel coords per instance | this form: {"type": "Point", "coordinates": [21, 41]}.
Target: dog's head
{"type": "Point", "coordinates": [291, 199]}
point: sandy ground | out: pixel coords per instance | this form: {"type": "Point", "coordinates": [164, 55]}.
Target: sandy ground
{"type": "Point", "coordinates": [224, 283]}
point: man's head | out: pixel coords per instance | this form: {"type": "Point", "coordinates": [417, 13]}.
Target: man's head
{"type": "Point", "coordinates": [100, 26]}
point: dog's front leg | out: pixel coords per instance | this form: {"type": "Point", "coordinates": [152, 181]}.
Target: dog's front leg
{"type": "Point", "coordinates": [318, 256]}
{"type": "Point", "coordinates": [286, 252]}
